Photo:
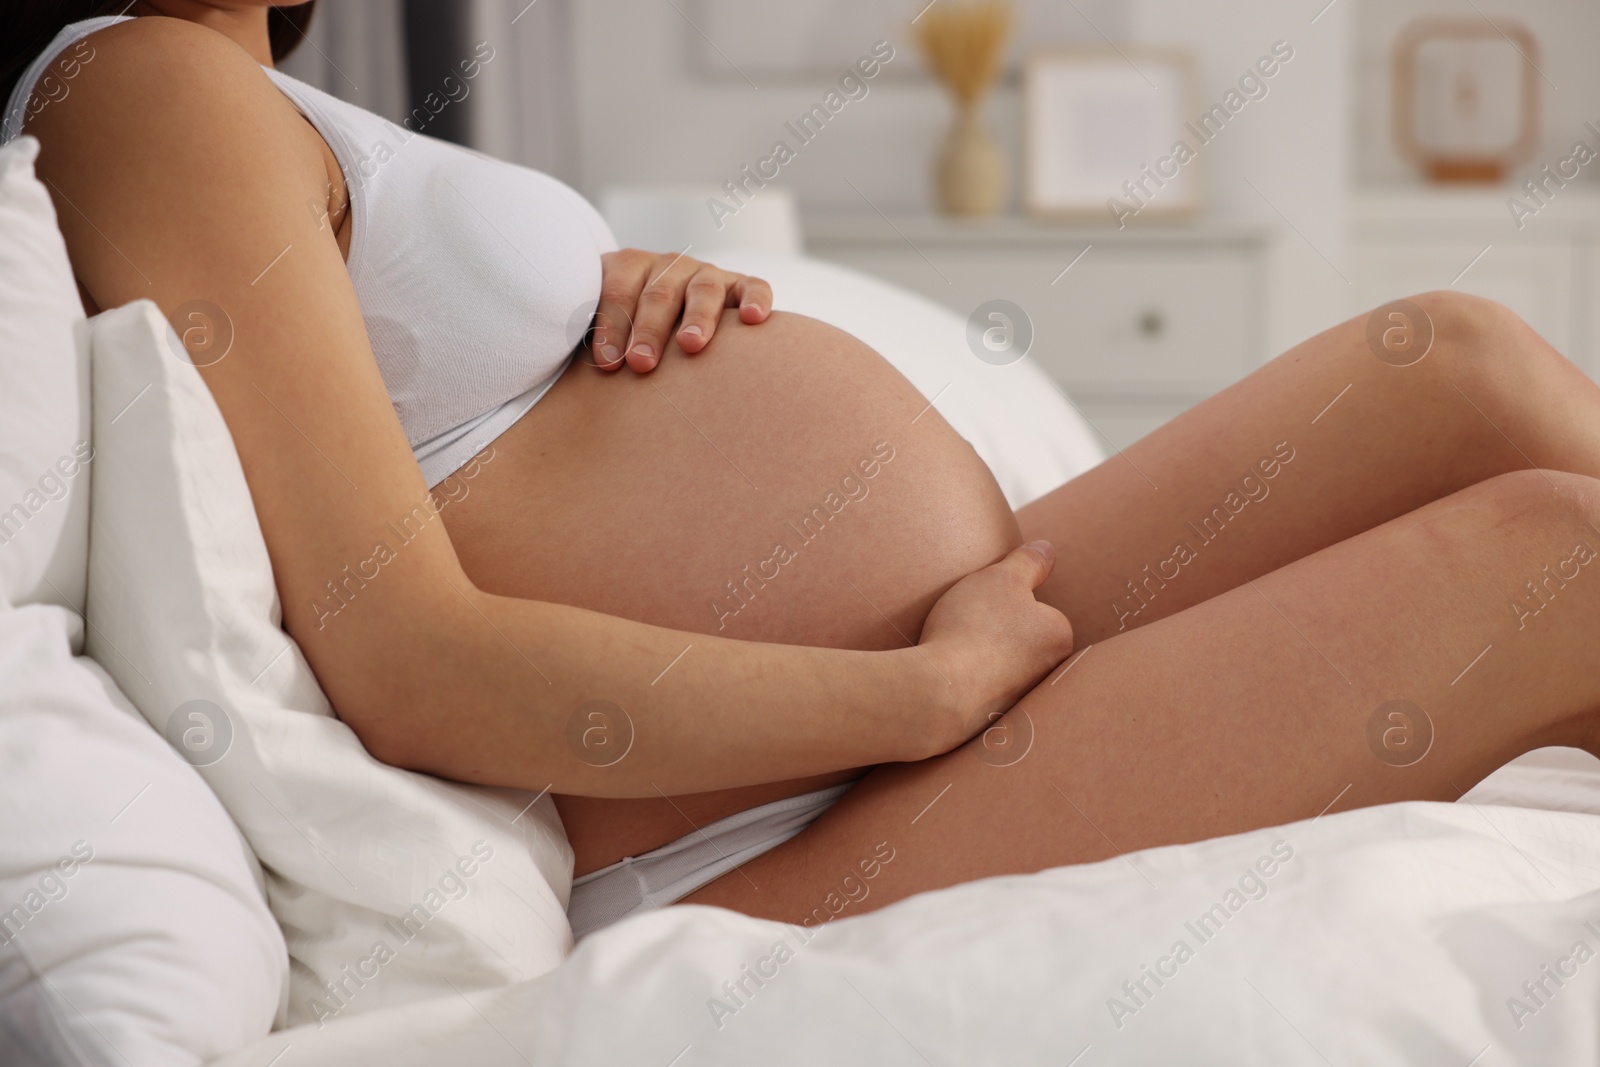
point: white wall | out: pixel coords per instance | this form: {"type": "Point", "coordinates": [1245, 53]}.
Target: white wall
{"type": "Point", "coordinates": [649, 111]}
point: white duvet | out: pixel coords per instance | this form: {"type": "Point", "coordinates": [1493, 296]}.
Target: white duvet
{"type": "Point", "coordinates": [1450, 934]}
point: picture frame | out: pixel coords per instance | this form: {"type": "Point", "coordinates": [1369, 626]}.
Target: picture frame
{"type": "Point", "coordinates": [1466, 97]}
{"type": "Point", "coordinates": [1094, 120]}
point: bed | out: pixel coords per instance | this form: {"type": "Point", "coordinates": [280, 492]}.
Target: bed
{"type": "Point", "coordinates": [201, 862]}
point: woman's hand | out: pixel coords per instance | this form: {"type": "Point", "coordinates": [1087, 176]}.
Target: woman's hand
{"type": "Point", "coordinates": [642, 294]}
{"type": "Point", "coordinates": [993, 641]}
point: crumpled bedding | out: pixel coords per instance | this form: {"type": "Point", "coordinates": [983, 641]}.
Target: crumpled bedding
{"type": "Point", "coordinates": [1412, 933]}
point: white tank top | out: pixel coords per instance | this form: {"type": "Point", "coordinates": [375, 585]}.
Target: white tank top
{"type": "Point", "coordinates": [477, 278]}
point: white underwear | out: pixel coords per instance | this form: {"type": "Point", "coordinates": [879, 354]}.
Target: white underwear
{"type": "Point", "coordinates": [676, 869]}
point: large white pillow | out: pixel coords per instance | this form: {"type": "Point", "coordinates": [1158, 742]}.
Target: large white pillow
{"type": "Point", "coordinates": [1015, 418]}
{"type": "Point", "coordinates": [44, 396]}
{"type": "Point", "coordinates": [133, 926]}
{"type": "Point", "coordinates": [390, 886]}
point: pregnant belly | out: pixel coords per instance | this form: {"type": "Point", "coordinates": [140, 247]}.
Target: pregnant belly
{"type": "Point", "coordinates": [786, 485]}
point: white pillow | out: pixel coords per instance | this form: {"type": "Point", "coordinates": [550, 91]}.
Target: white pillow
{"type": "Point", "coordinates": [1013, 416]}
{"type": "Point", "coordinates": [133, 928]}
{"type": "Point", "coordinates": [44, 396]}
{"type": "Point", "coordinates": [185, 615]}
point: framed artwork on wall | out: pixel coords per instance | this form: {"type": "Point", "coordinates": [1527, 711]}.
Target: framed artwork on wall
{"type": "Point", "coordinates": [1107, 135]}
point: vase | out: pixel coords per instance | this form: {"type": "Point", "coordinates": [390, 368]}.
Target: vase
{"type": "Point", "coordinates": [970, 174]}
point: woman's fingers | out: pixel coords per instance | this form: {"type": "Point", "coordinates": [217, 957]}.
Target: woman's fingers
{"type": "Point", "coordinates": [660, 303]}
{"type": "Point", "coordinates": [643, 296]}
{"type": "Point", "coordinates": [754, 297]}
{"type": "Point", "coordinates": [1036, 560]}
{"type": "Point", "coordinates": [623, 275]}
{"type": "Point", "coordinates": [707, 293]}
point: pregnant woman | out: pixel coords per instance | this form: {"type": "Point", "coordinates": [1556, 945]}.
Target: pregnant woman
{"type": "Point", "coordinates": [723, 583]}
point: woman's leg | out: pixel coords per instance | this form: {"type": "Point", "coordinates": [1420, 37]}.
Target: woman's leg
{"type": "Point", "coordinates": [1191, 511]}
{"type": "Point", "coordinates": [1267, 704]}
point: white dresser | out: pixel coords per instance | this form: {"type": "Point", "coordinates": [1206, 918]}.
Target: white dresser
{"type": "Point", "coordinates": [1412, 239]}
{"type": "Point", "coordinates": [1137, 324]}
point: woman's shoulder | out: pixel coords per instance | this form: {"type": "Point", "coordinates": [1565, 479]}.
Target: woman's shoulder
{"type": "Point", "coordinates": [153, 77]}
{"type": "Point", "coordinates": [158, 44]}
{"type": "Point", "coordinates": [172, 152]}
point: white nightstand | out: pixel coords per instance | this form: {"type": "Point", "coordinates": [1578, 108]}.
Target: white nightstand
{"type": "Point", "coordinates": [1137, 324]}
{"type": "Point", "coordinates": [1409, 239]}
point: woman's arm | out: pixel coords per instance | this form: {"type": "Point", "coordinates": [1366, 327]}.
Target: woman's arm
{"type": "Point", "coordinates": [181, 174]}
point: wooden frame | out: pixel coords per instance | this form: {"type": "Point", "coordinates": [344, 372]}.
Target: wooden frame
{"type": "Point", "coordinates": [1463, 167]}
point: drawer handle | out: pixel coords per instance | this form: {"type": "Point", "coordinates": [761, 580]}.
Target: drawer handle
{"type": "Point", "coordinates": [1152, 324]}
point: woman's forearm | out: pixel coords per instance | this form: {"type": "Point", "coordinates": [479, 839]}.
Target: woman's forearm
{"type": "Point", "coordinates": [536, 695]}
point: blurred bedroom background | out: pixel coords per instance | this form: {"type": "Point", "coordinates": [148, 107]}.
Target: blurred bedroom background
{"type": "Point", "coordinates": [1337, 155]}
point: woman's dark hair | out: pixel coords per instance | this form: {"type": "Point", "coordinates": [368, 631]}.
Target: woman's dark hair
{"type": "Point", "coordinates": [26, 26]}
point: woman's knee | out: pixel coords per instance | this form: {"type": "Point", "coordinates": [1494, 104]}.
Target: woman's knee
{"type": "Point", "coordinates": [1466, 320]}
{"type": "Point", "coordinates": [1548, 494]}
{"type": "Point", "coordinates": [1538, 506]}
{"type": "Point", "coordinates": [1483, 342]}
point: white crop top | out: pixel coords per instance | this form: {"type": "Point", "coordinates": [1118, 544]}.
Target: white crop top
{"type": "Point", "coordinates": [477, 278]}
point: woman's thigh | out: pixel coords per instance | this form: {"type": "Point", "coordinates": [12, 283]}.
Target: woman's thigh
{"type": "Point", "coordinates": [1320, 444]}
{"type": "Point", "coordinates": [1405, 663]}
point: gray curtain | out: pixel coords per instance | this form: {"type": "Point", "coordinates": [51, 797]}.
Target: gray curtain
{"type": "Point", "coordinates": [356, 51]}
{"type": "Point", "coordinates": [389, 55]}
{"type": "Point", "coordinates": [527, 111]}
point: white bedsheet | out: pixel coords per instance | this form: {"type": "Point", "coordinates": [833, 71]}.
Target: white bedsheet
{"type": "Point", "coordinates": [1392, 935]}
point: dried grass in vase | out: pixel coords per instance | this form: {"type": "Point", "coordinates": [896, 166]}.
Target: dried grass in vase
{"type": "Point", "coordinates": [963, 43]}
